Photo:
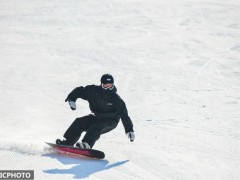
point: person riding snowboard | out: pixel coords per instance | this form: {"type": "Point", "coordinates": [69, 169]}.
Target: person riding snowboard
{"type": "Point", "coordinates": [107, 108]}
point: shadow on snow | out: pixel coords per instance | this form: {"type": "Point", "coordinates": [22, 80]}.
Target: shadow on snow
{"type": "Point", "coordinates": [84, 168]}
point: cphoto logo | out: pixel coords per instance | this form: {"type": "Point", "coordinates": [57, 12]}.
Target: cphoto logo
{"type": "Point", "coordinates": [17, 174]}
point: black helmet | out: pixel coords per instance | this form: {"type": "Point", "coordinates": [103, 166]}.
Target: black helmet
{"type": "Point", "coordinates": [107, 82]}
{"type": "Point", "coordinates": [107, 79]}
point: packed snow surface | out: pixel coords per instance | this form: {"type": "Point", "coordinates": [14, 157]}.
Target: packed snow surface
{"type": "Point", "coordinates": [176, 64]}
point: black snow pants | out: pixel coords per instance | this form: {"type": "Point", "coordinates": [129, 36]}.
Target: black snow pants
{"type": "Point", "coordinates": [93, 127]}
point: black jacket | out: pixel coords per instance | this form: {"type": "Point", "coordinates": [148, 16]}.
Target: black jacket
{"type": "Point", "coordinates": [103, 103]}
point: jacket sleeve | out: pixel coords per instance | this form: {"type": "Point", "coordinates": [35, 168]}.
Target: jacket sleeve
{"type": "Point", "coordinates": [78, 92]}
{"type": "Point", "coordinates": [127, 123]}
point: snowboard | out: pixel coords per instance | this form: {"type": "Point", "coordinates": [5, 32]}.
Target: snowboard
{"type": "Point", "coordinates": [92, 153]}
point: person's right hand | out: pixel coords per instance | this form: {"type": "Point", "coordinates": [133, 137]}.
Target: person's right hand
{"type": "Point", "coordinates": [72, 105]}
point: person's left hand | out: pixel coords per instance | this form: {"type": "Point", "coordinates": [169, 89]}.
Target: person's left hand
{"type": "Point", "coordinates": [131, 136]}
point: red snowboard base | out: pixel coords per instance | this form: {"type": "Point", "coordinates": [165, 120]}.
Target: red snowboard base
{"type": "Point", "coordinates": [74, 150]}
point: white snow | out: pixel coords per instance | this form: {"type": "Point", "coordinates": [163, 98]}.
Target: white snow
{"type": "Point", "coordinates": [176, 64]}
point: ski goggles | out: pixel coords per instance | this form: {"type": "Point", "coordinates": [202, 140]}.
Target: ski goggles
{"type": "Point", "coordinates": [108, 86]}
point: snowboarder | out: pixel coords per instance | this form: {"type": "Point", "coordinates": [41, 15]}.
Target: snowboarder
{"type": "Point", "coordinates": [107, 108]}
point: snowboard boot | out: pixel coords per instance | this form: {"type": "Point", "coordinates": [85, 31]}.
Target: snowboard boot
{"type": "Point", "coordinates": [64, 142]}
{"type": "Point", "coordinates": [83, 145]}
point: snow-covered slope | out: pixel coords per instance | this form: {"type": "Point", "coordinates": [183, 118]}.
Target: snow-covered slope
{"type": "Point", "coordinates": [175, 63]}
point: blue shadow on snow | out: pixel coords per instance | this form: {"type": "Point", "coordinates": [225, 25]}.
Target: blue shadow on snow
{"type": "Point", "coordinates": [84, 168]}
